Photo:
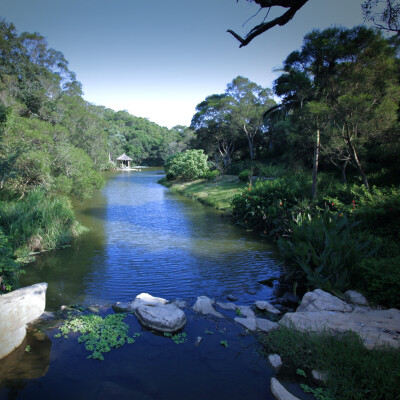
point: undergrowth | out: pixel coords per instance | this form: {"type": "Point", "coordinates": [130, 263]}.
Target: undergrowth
{"type": "Point", "coordinates": [354, 373]}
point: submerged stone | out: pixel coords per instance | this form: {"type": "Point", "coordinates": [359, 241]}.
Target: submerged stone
{"type": "Point", "coordinates": [204, 305]}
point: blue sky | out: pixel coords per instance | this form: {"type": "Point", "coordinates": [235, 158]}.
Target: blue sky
{"type": "Point", "coordinates": [158, 59]}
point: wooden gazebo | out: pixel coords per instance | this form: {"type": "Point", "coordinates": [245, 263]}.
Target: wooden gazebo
{"type": "Point", "coordinates": [124, 161]}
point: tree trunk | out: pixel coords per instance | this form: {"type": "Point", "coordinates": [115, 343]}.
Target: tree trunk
{"type": "Point", "coordinates": [315, 165]}
{"type": "Point", "coordinates": [357, 161]}
{"type": "Point", "coordinates": [344, 177]}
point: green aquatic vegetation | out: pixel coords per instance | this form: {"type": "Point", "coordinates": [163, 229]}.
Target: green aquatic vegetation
{"type": "Point", "coordinates": [99, 335]}
{"type": "Point", "coordinates": [318, 393]}
{"type": "Point", "coordinates": [28, 349]}
{"type": "Point", "coordinates": [209, 332]}
{"type": "Point", "coordinates": [238, 311]}
{"type": "Point", "coordinates": [178, 338]}
{"type": "Point", "coordinates": [224, 343]}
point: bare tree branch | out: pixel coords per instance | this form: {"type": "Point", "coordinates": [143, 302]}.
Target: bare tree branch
{"type": "Point", "coordinates": [292, 5]}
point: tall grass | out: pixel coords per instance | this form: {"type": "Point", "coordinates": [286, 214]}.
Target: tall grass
{"type": "Point", "coordinates": [38, 222]}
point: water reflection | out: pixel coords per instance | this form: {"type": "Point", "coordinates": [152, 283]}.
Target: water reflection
{"type": "Point", "coordinates": [144, 238]}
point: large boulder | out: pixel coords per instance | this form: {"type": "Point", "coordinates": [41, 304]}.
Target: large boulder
{"type": "Point", "coordinates": [17, 309]}
{"type": "Point", "coordinates": [161, 317]}
{"type": "Point", "coordinates": [376, 328]}
{"type": "Point", "coordinates": [318, 300]}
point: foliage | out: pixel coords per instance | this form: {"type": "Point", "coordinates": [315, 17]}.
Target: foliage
{"type": "Point", "coordinates": [354, 373]}
{"type": "Point", "coordinates": [9, 268]}
{"type": "Point", "coordinates": [324, 251]}
{"type": "Point", "coordinates": [268, 205]}
{"type": "Point", "coordinates": [178, 338]}
{"type": "Point", "coordinates": [191, 165]}
{"type": "Point", "coordinates": [38, 222]}
{"type": "Point", "coordinates": [245, 175]}
{"type": "Point", "coordinates": [381, 280]}
{"type": "Point", "coordinates": [99, 335]}
{"type": "Point", "coordinates": [211, 175]}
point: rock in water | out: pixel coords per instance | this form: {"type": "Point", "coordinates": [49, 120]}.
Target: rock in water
{"type": "Point", "coordinates": [265, 306]}
{"type": "Point", "coordinates": [204, 305]}
{"type": "Point", "coordinates": [275, 361]}
{"type": "Point", "coordinates": [163, 318]}
{"type": "Point", "coordinates": [17, 309]}
{"type": "Point", "coordinates": [279, 392]}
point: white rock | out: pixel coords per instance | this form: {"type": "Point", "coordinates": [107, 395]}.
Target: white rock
{"type": "Point", "coordinates": [249, 323]}
{"type": "Point", "coordinates": [246, 311]}
{"type": "Point", "coordinates": [265, 306]}
{"type": "Point", "coordinates": [204, 305]}
{"type": "Point", "coordinates": [275, 362]}
{"type": "Point", "coordinates": [279, 392]}
{"type": "Point", "coordinates": [376, 328]}
{"type": "Point", "coordinates": [265, 325]}
{"type": "Point", "coordinates": [145, 299]}
{"type": "Point", "coordinates": [356, 298]}
{"type": "Point", "coordinates": [227, 306]}
{"type": "Point", "coordinates": [179, 303]}
{"type": "Point", "coordinates": [318, 300]}
{"type": "Point", "coordinates": [164, 318]}
{"type": "Point", "coordinates": [17, 309]}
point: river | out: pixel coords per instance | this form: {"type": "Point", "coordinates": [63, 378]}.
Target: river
{"type": "Point", "coordinates": [144, 238]}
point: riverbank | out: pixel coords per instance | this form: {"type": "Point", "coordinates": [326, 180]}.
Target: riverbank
{"type": "Point", "coordinates": [217, 193]}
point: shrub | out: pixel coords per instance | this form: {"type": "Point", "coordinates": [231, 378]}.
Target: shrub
{"type": "Point", "coordinates": [212, 174]}
{"type": "Point", "coordinates": [268, 205]}
{"type": "Point", "coordinates": [244, 176]}
{"type": "Point", "coordinates": [9, 268]}
{"type": "Point", "coordinates": [324, 252]}
{"type": "Point", "coordinates": [191, 165]}
{"type": "Point", "coordinates": [381, 279]}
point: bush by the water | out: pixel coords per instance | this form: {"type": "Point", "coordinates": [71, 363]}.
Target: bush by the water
{"type": "Point", "coordinates": [324, 251]}
{"type": "Point", "coordinates": [9, 268]}
{"type": "Point", "coordinates": [267, 206]}
{"type": "Point", "coordinates": [38, 222]}
{"type": "Point", "coordinates": [191, 164]}
{"type": "Point", "coordinates": [245, 175]}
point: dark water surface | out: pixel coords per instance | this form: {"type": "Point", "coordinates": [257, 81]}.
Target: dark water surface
{"type": "Point", "coordinates": [143, 238]}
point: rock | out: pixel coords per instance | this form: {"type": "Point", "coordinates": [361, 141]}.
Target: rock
{"type": "Point", "coordinates": [146, 300]}
{"type": "Point", "coordinates": [199, 339]}
{"type": "Point", "coordinates": [265, 325]}
{"type": "Point", "coordinates": [17, 309]}
{"type": "Point", "coordinates": [179, 303]}
{"type": "Point", "coordinates": [275, 362]}
{"type": "Point", "coordinates": [279, 392]}
{"type": "Point", "coordinates": [162, 317]}
{"type": "Point", "coordinates": [319, 376]}
{"type": "Point", "coordinates": [376, 328]}
{"type": "Point", "coordinates": [231, 297]}
{"type": "Point", "coordinates": [246, 311]}
{"type": "Point", "coordinates": [318, 300]}
{"type": "Point", "coordinates": [204, 305]}
{"type": "Point", "coordinates": [356, 298]}
{"type": "Point", "coordinates": [119, 307]}
{"type": "Point", "coordinates": [249, 323]}
{"type": "Point", "coordinates": [251, 292]}
{"type": "Point", "coordinates": [265, 306]}
{"type": "Point", "coordinates": [227, 306]}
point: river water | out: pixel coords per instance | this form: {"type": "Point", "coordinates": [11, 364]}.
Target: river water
{"type": "Point", "coordinates": [144, 238]}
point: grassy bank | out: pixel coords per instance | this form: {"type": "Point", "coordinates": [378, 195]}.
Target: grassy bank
{"type": "Point", "coordinates": [36, 223]}
{"type": "Point", "coordinates": [217, 193]}
{"type": "Point", "coordinates": [353, 372]}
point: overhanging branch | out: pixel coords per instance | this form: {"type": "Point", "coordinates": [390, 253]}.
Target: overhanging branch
{"type": "Point", "coordinates": [293, 5]}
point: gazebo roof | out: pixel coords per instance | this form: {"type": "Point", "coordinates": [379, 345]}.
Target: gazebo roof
{"type": "Point", "coordinates": [124, 157]}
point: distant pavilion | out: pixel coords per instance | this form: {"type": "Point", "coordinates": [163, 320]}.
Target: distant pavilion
{"type": "Point", "coordinates": [124, 161]}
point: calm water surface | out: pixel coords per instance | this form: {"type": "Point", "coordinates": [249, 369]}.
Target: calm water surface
{"type": "Point", "coordinates": [143, 238]}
